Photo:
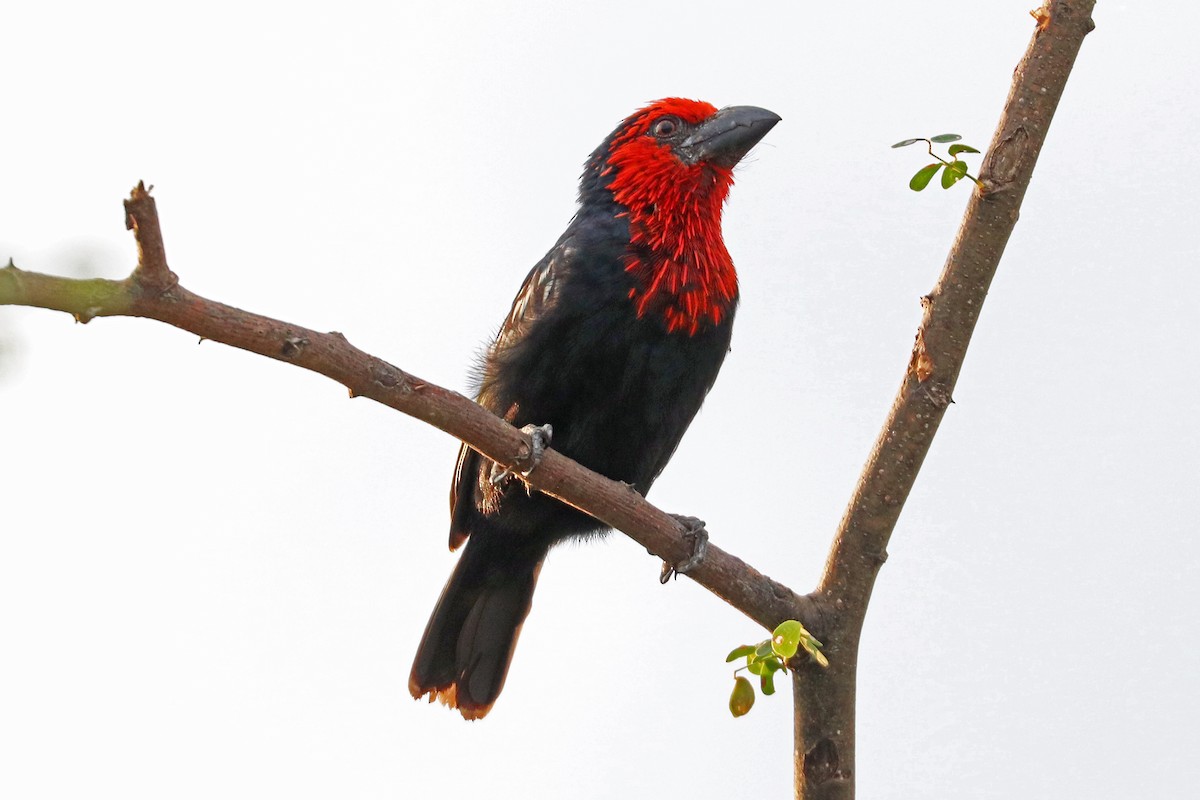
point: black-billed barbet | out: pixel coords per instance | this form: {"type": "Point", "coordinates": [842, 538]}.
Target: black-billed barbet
{"type": "Point", "coordinates": [614, 340]}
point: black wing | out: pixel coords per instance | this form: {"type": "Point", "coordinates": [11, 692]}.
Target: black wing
{"type": "Point", "coordinates": [471, 491]}
{"type": "Point", "coordinates": [537, 295]}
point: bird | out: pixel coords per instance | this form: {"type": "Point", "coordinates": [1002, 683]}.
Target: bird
{"type": "Point", "coordinates": [609, 349]}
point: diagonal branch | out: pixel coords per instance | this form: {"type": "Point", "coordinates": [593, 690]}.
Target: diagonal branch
{"type": "Point", "coordinates": [825, 699]}
{"type": "Point", "coordinates": [952, 308]}
{"type": "Point", "coordinates": [153, 291]}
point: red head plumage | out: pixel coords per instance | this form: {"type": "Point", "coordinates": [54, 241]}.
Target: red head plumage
{"type": "Point", "coordinates": [670, 166]}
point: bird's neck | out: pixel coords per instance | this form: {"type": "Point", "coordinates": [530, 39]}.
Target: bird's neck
{"type": "Point", "coordinates": [677, 258]}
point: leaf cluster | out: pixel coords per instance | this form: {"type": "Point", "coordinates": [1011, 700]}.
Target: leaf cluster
{"type": "Point", "coordinates": [953, 170]}
{"type": "Point", "coordinates": [768, 657]}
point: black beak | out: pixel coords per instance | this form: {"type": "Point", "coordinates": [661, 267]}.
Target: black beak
{"type": "Point", "coordinates": [725, 137]}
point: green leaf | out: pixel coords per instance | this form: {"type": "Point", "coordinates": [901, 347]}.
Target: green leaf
{"type": "Point", "coordinates": [906, 143]}
{"type": "Point", "coordinates": [950, 177]}
{"type": "Point", "coordinates": [785, 640]}
{"type": "Point", "coordinates": [764, 649]}
{"type": "Point", "coordinates": [763, 666]}
{"type": "Point", "coordinates": [767, 682]}
{"type": "Point", "coordinates": [739, 652]}
{"type": "Point", "coordinates": [923, 177]}
{"type": "Point", "coordinates": [741, 700]}
{"type": "Point", "coordinates": [813, 648]}
{"type": "Point", "coordinates": [955, 170]}
{"type": "Point", "coordinates": [942, 138]}
{"type": "Point", "coordinates": [955, 149]}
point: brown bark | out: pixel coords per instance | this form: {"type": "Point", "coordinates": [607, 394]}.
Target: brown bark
{"type": "Point", "coordinates": [824, 699]}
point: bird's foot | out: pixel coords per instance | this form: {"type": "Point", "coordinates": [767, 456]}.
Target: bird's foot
{"type": "Point", "coordinates": [539, 440]}
{"type": "Point", "coordinates": [694, 530]}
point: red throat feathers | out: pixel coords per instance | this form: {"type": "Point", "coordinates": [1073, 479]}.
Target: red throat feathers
{"type": "Point", "coordinates": [682, 267]}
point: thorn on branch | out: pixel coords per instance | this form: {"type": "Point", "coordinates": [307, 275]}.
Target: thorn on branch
{"type": "Point", "coordinates": [87, 315]}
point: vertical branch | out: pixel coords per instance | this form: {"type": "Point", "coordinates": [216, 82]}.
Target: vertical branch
{"type": "Point", "coordinates": [141, 217]}
{"type": "Point", "coordinates": [824, 701]}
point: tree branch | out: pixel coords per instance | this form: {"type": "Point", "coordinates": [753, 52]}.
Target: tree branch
{"type": "Point", "coordinates": [824, 699]}
{"type": "Point", "coordinates": [153, 291]}
{"type": "Point", "coordinates": [952, 307]}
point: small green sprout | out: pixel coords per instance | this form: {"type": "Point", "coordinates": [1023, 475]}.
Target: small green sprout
{"type": "Point", "coordinates": [766, 658]}
{"type": "Point", "coordinates": [955, 170]}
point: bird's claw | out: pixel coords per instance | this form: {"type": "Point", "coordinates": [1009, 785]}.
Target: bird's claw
{"type": "Point", "coordinates": [695, 531]}
{"type": "Point", "coordinates": [539, 440]}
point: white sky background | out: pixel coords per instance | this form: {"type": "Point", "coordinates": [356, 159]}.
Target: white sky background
{"type": "Point", "coordinates": [214, 569]}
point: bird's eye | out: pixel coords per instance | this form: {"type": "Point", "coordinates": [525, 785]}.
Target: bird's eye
{"type": "Point", "coordinates": [665, 127]}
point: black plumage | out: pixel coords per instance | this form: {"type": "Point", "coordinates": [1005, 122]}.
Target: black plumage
{"type": "Point", "coordinates": [604, 344]}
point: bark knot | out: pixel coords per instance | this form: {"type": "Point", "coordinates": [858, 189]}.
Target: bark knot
{"type": "Point", "coordinates": [292, 346]}
{"type": "Point", "coordinates": [389, 377]}
{"type": "Point", "coordinates": [822, 764]}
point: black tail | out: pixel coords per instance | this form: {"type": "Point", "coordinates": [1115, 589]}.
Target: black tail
{"type": "Point", "coordinates": [464, 655]}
